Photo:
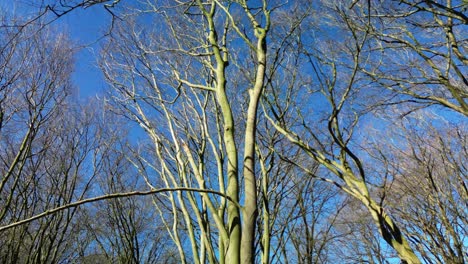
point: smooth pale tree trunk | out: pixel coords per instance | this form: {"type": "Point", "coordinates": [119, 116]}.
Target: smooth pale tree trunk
{"type": "Point", "coordinates": [234, 225]}
{"type": "Point", "coordinates": [233, 212]}
{"type": "Point", "coordinates": [387, 228]}
{"type": "Point", "coordinates": [356, 187]}
{"type": "Point", "coordinates": [250, 211]}
{"type": "Point", "coordinates": [240, 247]}
{"type": "Point", "coordinates": [392, 234]}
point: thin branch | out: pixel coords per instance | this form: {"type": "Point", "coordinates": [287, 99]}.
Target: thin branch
{"type": "Point", "coordinates": [112, 196]}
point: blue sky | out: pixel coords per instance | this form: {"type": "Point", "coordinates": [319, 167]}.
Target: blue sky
{"type": "Point", "coordinates": [85, 28]}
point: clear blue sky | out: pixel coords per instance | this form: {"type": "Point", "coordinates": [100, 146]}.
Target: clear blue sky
{"type": "Point", "coordinates": [86, 28]}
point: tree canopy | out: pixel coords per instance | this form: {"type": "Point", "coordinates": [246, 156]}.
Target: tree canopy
{"type": "Point", "coordinates": [237, 132]}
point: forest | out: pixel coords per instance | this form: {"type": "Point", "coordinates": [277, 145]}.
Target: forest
{"type": "Point", "coordinates": [235, 131]}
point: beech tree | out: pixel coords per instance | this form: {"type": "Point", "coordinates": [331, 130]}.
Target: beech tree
{"type": "Point", "coordinates": [429, 192]}
{"type": "Point", "coordinates": [188, 113]}
{"type": "Point", "coordinates": [240, 132]}
{"type": "Point", "coordinates": [425, 44]}
{"type": "Point", "coordinates": [44, 144]}
{"type": "Point", "coordinates": [340, 70]}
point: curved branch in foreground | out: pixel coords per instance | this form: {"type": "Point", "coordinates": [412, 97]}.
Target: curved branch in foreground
{"type": "Point", "coordinates": [112, 196]}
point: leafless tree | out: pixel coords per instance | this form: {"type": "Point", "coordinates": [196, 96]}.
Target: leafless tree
{"type": "Point", "coordinates": [429, 191]}
{"type": "Point", "coordinates": [241, 132]}
{"type": "Point", "coordinates": [326, 132]}
{"type": "Point", "coordinates": [179, 90]}
{"type": "Point", "coordinates": [44, 145]}
{"type": "Point", "coordinates": [419, 52]}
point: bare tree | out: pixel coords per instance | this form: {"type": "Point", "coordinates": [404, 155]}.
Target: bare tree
{"type": "Point", "coordinates": [429, 191]}
{"type": "Point", "coordinates": [326, 171]}
{"type": "Point", "coordinates": [154, 87]}
{"type": "Point", "coordinates": [129, 230]}
{"type": "Point", "coordinates": [327, 135]}
{"type": "Point", "coordinates": [425, 44]}
{"type": "Point", "coordinates": [44, 145]}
